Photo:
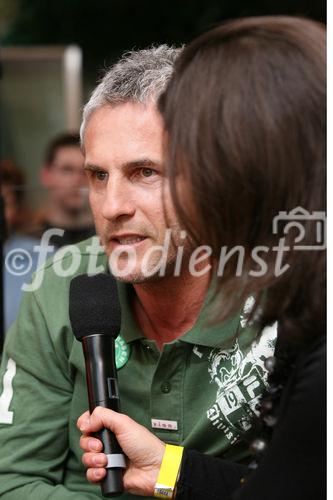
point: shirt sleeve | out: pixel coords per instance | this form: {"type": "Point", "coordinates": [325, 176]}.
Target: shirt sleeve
{"type": "Point", "coordinates": [293, 467]}
{"type": "Point", "coordinates": [35, 392]}
{"type": "Point", "coordinates": [203, 477]}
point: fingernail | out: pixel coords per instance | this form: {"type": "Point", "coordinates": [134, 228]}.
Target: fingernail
{"type": "Point", "coordinates": [98, 461]}
{"type": "Point", "coordinates": [84, 425]}
{"type": "Point", "coordinates": [93, 444]}
{"type": "Point", "coordinates": [98, 473]}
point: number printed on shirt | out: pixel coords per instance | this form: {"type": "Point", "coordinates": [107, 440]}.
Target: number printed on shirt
{"type": "Point", "coordinates": [6, 416]}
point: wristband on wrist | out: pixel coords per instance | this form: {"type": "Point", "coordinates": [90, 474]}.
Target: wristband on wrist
{"type": "Point", "coordinates": [168, 475]}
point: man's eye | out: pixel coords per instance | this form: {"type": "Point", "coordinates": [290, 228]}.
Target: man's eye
{"type": "Point", "coordinates": [100, 175]}
{"type": "Point", "coordinates": [147, 172]}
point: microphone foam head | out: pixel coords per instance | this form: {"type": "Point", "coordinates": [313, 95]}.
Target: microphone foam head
{"type": "Point", "coordinates": [94, 306]}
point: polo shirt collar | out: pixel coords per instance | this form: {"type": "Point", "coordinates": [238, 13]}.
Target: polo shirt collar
{"type": "Point", "coordinates": [130, 329]}
{"type": "Point", "coordinates": [203, 333]}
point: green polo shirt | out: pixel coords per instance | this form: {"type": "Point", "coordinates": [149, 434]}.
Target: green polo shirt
{"type": "Point", "coordinates": [200, 391]}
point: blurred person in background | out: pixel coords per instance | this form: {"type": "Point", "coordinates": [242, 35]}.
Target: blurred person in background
{"type": "Point", "coordinates": [64, 179]}
{"type": "Point", "coordinates": [245, 119]}
{"type": "Point", "coordinates": [20, 257]}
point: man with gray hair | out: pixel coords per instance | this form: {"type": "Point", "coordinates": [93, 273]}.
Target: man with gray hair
{"type": "Point", "coordinates": [164, 350]}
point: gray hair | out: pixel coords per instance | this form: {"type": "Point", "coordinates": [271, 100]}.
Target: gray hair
{"type": "Point", "coordinates": [139, 76]}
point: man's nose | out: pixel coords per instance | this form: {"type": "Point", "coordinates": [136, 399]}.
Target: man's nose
{"type": "Point", "coordinates": [118, 201]}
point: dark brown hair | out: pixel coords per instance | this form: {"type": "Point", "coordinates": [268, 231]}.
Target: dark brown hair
{"type": "Point", "coordinates": [13, 177]}
{"type": "Point", "coordinates": [64, 140]}
{"type": "Point", "coordinates": [245, 120]}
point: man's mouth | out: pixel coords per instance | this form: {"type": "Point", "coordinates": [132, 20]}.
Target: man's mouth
{"type": "Point", "coordinates": [128, 239]}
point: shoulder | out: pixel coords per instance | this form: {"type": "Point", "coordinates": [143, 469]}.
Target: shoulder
{"type": "Point", "coordinates": [44, 310]}
{"type": "Point", "coordinates": [311, 364]}
{"type": "Point", "coordinates": [305, 395]}
{"type": "Point", "coordinates": [50, 283]}
{"type": "Point", "coordinates": [72, 260]}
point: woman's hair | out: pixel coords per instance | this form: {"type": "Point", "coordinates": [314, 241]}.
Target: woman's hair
{"type": "Point", "coordinates": [245, 119]}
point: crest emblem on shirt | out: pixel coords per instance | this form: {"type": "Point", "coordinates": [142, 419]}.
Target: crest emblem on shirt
{"type": "Point", "coordinates": [240, 379]}
{"type": "Point", "coordinates": [123, 352]}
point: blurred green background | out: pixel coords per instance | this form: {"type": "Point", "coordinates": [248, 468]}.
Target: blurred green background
{"type": "Point", "coordinates": [105, 27]}
{"type": "Point", "coordinates": [32, 94]}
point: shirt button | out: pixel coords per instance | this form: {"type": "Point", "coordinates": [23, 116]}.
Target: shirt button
{"type": "Point", "coordinates": [166, 387]}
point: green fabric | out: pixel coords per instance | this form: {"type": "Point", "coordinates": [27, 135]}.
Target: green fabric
{"type": "Point", "coordinates": [204, 381]}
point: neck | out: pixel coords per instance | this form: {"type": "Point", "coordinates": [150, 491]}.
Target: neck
{"type": "Point", "coordinates": [168, 308]}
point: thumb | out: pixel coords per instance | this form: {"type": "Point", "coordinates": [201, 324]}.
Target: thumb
{"type": "Point", "coordinates": [104, 417]}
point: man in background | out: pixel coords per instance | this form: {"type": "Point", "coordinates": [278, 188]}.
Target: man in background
{"type": "Point", "coordinates": [63, 177]}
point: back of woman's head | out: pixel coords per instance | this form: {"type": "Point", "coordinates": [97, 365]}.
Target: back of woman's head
{"type": "Point", "coordinates": [245, 116]}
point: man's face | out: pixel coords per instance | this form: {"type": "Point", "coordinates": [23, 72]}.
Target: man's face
{"type": "Point", "coordinates": [127, 189]}
{"type": "Point", "coordinates": [65, 178]}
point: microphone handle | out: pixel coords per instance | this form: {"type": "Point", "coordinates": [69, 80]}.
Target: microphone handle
{"type": "Point", "coordinates": [101, 376]}
{"type": "Point", "coordinates": [112, 484]}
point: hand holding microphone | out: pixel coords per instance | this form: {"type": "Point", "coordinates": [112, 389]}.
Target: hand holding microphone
{"type": "Point", "coordinates": [143, 449]}
{"type": "Point", "coordinates": [95, 316]}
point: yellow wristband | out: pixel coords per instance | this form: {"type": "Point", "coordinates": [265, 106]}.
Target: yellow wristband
{"type": "Point", "coordinates": [167, 477]}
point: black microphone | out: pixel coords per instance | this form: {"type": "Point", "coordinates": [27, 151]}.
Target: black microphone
{"type": "Point", "coordinates": [95, 316]}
